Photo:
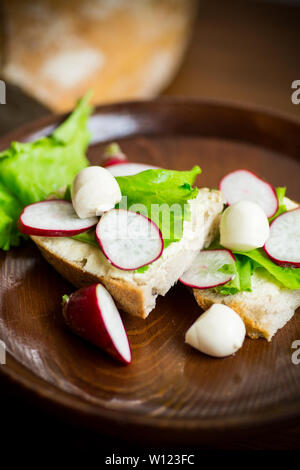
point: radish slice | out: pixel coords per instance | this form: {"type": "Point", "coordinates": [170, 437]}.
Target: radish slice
{"type": "Point", "coordinates": [92, 314]}
{"type": "Point", "coordinates": [54, 218]}
{"type": "Point", "coordinates": [283, 244]}
{"type": "Point", "coordinates": [126, 169]}
{"type": "Point", "coordinates": [204, 272]}
{"type": "Point", "coordinates": [243, 185]}
{"type": "Point", "coordinates": [129, 240]}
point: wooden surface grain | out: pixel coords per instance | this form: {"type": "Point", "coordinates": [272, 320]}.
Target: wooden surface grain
{"type": "Point", "coordinates": [168, 387]}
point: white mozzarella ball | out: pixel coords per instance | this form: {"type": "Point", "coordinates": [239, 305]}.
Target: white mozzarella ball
{"type": "Point", "coordinates": [94, 191]}
{"type": "Point", "coordinates": [218, 332]}
{"type": "Point", "coordinates": [244, 226]}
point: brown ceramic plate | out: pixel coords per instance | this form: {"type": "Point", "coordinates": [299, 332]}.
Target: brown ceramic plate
{"type": "Point", "coordinates": [170, 391]}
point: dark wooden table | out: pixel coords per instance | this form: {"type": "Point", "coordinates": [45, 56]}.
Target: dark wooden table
{"type": "Point", "coordinates": [242, 52]}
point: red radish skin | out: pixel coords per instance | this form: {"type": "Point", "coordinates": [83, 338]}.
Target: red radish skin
{"type": "Point", "coordinates": [83, 315]}
{"type": "Point", "coordinates": [230, 277]}
{"type": "Point", "coordinates": [287, 264]}
{"type": "Point", "coordinates": [275, 204]}
{"type": "Point", "coordinates": [291, 264]}
{"type": "Point", "coordinates": [114, 263]}
{"type": "Point", "coordinates": [111, 161]}
{"type": "Point", "coordinates": [113, 155]}
{"type": "Point", "coordinates": [37, 211]}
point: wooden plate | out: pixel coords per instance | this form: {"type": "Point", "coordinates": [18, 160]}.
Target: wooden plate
{"type": "Point", "coordinates": [170, 392]}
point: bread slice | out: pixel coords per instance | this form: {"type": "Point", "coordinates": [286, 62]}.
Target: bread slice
{"type": "Point", "coordinates": [135, 292]}
{"type": "Point", "coordinates": [136, 63]}
{"type": "Point", "coordinates": [264, 310]}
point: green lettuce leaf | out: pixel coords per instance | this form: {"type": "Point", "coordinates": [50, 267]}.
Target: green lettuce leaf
{"type": "Point", "coordinates": [246, 263]}
{"type": "Point", "coordinates": [162, 195]}
{"type": "Point", "coordinates": [287, 276]}
{"type": "Point", "coordinates": [142, 270]}
{"type": "Point", "coordinates": [280, 192]}
{"type": "Point", "coordinates": [242, 270]}
{"type": "Point", "coordinates": [30, 171]}
{"type": "Point", "coordinates": [87, 237]}
{"type": "Point", "coordinates": [10, 209]}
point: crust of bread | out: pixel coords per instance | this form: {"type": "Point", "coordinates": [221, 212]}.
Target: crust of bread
{"type": "Point", "coordinates": [264, 310]}
{"type": "Point", "coordinates": [254, 329]}
{"type": "Point", "coordinates": [129, 297]}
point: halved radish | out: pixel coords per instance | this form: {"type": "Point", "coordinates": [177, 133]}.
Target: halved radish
{"type": "Point", "coordinates": [53, 218]}
{"type": "Point", "coordinates": [129, 240]}
{"type": "Point", "coordinates": [127, 169]}
{"type": "Point", "coordinates": [92, 314]}
{"type": "Point", "coordinates": [243, 185]}
{"type": "Point", "coordinates": [283, 244]}
{"type": "Point", "coordinates": [204, 272]}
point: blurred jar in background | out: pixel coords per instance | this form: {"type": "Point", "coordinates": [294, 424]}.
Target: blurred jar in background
{"type": "Point", "coordinates": [122, 49]}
